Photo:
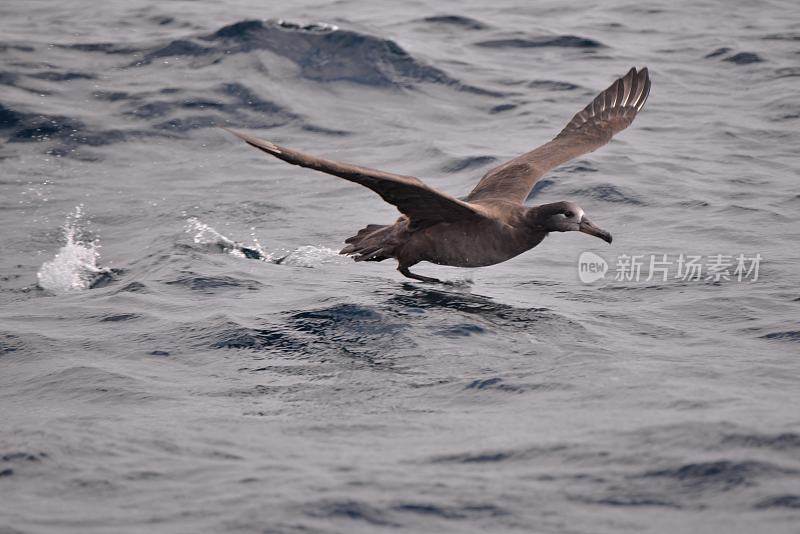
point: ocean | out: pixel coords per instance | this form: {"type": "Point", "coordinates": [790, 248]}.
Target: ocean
{"type": "Point", "coordinates": [157, 376]}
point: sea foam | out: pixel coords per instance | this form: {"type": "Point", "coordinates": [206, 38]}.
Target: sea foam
{"type": "Point", "coordinates": [303, 256]}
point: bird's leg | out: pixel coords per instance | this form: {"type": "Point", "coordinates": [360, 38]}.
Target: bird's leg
{"type": "Point", "coordinates": [405, 272]}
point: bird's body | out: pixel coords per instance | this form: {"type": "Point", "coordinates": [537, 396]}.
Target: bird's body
{"type": "Point", "coordinates": [477, 244]}
{"type": "Point", "coordinates": [492, 224]}
{"type": "Point", "coordinates": [495, 238]}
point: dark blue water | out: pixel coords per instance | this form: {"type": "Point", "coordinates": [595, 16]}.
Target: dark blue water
{"type": "Point", "coordinates": [155, 379]}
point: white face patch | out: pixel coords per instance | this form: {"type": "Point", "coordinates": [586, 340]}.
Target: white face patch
{"type": "Point", "coordinates": [576, 212]}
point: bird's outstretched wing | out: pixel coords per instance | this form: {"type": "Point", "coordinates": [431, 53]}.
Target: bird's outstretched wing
{"type": "Point", "coordinates": [422, 204]}
{"type": "Point", "coordinates": [610, 112]}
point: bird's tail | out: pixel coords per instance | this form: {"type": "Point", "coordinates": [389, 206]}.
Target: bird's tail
{"type": "Point", "coordinates": [369, 244]}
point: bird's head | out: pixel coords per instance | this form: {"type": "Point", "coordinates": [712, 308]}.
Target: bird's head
{"type": "Point", "coordinates": [568, 217]}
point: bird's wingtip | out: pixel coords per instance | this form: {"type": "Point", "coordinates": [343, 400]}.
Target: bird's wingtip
{"type": "Point", "coordinates": [237, 133]}
{"type": "Point", "coordinates": [254, 141]}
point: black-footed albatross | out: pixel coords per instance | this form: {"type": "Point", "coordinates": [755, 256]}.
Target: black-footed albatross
{"type": "Point", "coordinates": [491, 224]}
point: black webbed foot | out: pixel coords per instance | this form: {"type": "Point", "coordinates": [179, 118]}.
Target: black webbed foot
{"type": "Point", "coordinates": [405, 272]}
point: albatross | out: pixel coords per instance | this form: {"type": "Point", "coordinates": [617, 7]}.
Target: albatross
{"type": "Point", "coordinates": [492, 224]}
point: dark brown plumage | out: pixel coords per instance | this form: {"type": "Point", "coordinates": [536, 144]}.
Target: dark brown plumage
{"type": "Point", "coordinates": [492, 225]}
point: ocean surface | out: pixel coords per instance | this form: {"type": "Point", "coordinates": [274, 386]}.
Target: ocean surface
{"type": "Point", "coordinates": [156, 377]}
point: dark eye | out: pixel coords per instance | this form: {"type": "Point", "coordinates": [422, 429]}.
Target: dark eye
{"type": "Point", "coordinates": [569, 214]}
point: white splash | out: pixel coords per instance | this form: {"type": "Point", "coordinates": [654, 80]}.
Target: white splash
{"type": "Point", "coordinates": [206, 235]}
{"type": "Point", "coordinates": [74, 266]}
{"type": "Point", "coordinates": [310, 256]}
{"type": "Point", "coordinates": [305, 256]}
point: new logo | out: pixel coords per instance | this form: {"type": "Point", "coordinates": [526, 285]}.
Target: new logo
{"type": "Point", "coordinates": [591, 267]}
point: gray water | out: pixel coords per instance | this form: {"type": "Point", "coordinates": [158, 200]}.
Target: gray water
{"type": "Point", "coordinates": [154, 379]}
